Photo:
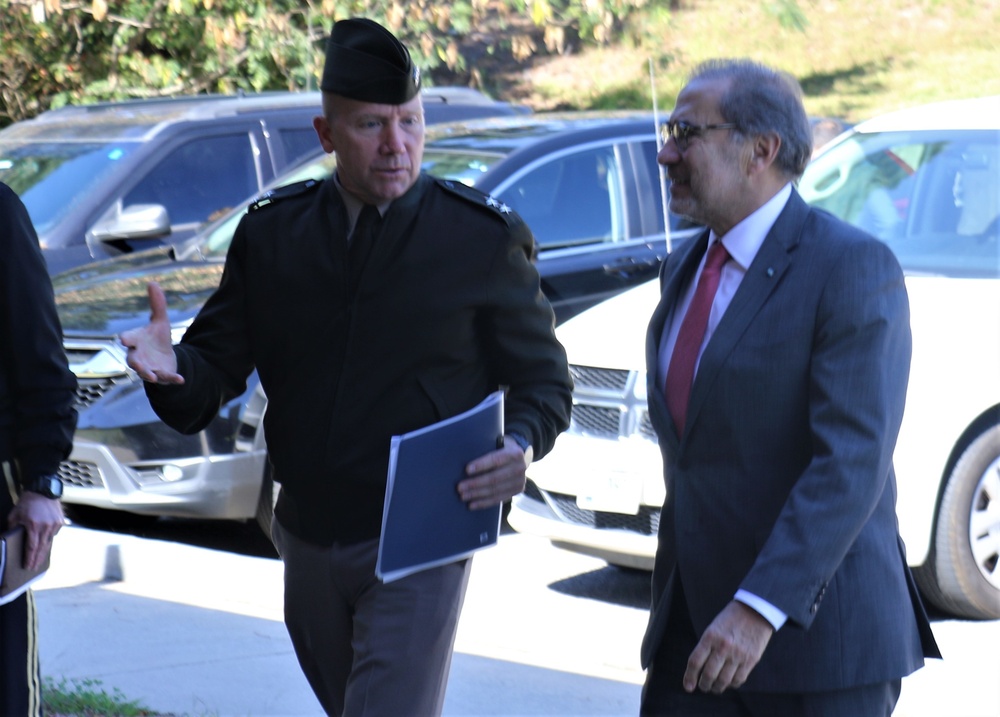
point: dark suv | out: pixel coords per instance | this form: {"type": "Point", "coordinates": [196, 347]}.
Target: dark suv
{"type": "Point", "coordinates": [107, 179]}
{"type": "Point", "coordinates": [588, 185]}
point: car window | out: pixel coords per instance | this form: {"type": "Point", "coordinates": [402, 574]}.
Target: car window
{"type": "Point", "coordinates": [462, 166]}
{"type": "Point", "coordinates": [298, 143]}
{"type": "Point", "coordinates": [658, 189]}
{"type": "Point", "coordinates": [53, 177]}
{"type": "Point", "coordinates": [935, 201]}
{"type": "Point", "coordinates": [571, 200]}
{"type": "Point", "coordinates": [200, 178]}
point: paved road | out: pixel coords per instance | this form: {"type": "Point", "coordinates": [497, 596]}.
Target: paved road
{"type": "Point", "coordinates": [194, 627]}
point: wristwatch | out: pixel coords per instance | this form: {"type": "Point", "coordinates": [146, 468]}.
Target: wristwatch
{"type": "Point", "coordinates": [51, 486]}
{"type": "Point", "coordinates": [525, 444]}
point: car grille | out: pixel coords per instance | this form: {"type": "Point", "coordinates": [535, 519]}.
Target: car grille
{"type": "Point", "coordinates": [597, 420]}
{"type": "Point", "coordinates": [80, 474]}
{"type": "Point", "coordinates": [645, 523]}
{"type": "Point", "coordinates": [99, 366]}
{"type": "Point", "coordinates": [599, 378]}
{"type": "Point", "coordinates": [605, 404]}
{"type": "Point", "coordinates": [88, 392]}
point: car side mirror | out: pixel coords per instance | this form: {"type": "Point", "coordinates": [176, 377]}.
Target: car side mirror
{"type": "Point", "coordinates": [138, 221]}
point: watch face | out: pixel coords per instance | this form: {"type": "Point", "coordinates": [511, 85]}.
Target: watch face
{"type": "Point", "coordinates": [49, 486]}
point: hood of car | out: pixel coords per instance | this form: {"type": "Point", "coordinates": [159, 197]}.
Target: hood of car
{"type": "Point", "coordinates": [613, 333]}
{"type": "Point", "coordinates": [108, 297]}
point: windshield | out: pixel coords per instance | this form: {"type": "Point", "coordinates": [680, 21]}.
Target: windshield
{"type": "Point", "coordinates": [51, 177]}
{"type": "Point", "coordinates": [465, 167]}
{"type": "Point", "coordinates": [934, 197]}
{"type": "Point", "coordinates": [462, 167]}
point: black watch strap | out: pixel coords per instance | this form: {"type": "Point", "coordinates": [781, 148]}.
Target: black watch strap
{"type": "Point", "coordinates": [51, 486]}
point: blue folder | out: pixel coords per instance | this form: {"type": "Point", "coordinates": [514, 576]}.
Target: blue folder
{"type": "Point", "coordinates": [424, 522]}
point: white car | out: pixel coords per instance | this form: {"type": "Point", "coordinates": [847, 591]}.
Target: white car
{"type": "Point", "coordinates": [927, 182]}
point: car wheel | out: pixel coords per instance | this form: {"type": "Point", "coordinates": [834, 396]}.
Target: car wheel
{"type": "Point", "coordinates": [268, 499]}
{"type": "Point", "coordinates": [962, 573]}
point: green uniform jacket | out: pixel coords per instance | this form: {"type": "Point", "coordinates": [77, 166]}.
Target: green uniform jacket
{"type": "Point", "coordinates": [447, 308]}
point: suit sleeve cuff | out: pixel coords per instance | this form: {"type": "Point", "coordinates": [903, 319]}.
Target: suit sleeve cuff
{"type": "Point", "coordinates": [768, 611]}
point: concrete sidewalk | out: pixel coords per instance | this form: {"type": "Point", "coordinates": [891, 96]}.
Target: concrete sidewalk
{"type": "Point", "coordinates": [193, 631]}
{"type": "Point", "coordinates": [198, 632]}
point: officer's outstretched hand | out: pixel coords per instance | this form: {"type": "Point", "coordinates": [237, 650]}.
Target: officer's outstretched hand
{"type": "Point", "coordinates": [150, 351]}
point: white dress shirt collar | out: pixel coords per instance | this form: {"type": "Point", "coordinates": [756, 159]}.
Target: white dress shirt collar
{"type": "Point", "coordinates": [743, 241]}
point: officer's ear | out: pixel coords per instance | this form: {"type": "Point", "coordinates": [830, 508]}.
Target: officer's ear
{"type": "Point", "coordinates": [322, 127]}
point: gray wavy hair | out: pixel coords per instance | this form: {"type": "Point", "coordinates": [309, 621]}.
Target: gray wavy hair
{"type": "Point", "coordinates": [760, 100]}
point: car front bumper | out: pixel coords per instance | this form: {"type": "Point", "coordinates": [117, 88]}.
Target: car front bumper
{"type": "Point", "coordinates": [225, 486]}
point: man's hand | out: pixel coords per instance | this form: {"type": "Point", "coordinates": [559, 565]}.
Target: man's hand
{"type": "Point", "coordinates": [730, 648]}
{"type": "Point", "coordinates": [42, 518]}
{"type": "Point", "coordinates": [494, 478]}
{"type": "Point", "coordinates": [150, 351]}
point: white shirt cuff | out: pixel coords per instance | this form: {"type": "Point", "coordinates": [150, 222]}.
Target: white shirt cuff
{"type": "Point", "coordinates": [768, 611]}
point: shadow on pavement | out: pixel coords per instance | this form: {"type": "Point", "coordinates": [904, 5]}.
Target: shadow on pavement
{"type": "Point", "coordinates": [241, 538]}
{"type": "Point", "coordinates": [619, 586]}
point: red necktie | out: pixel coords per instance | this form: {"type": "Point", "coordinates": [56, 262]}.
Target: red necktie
{"type": "Point", "coordinates": [680, 372]}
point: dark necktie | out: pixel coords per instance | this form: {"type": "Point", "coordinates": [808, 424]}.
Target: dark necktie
{"type": "Point", "coordinates": [362, 240]}
{"type": "Point", "coordinates": [680, 372]}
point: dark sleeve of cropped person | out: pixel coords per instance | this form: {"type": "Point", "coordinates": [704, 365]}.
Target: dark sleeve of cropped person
{"type": "Point", "coordinates": [37, 389]}
{"type": "Point", "coordinates": [37, 420]}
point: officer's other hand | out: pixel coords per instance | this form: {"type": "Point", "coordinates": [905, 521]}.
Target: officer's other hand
{"type": "Point", "coordinates": [150, 350]}
{"type": "Point", "coordinates": [494, 478]}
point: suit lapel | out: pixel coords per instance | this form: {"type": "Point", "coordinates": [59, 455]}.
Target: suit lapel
{"type": "Point", "coordinates": [761, 280]}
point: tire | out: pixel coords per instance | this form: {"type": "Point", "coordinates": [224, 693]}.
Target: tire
{"type": "Point", "coordinates": [268, 499]}
{"type": "Point", "coordinates": [962, 572]}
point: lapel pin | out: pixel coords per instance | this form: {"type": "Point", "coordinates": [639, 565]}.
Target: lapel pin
{"type": "Point", "coordinates": [770, 272]}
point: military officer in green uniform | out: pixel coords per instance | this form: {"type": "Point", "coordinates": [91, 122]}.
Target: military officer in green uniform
{"type": "Point", "coordinates": [371, 304]}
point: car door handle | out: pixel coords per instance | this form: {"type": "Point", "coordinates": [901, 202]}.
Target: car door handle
{"type": "Point", "coordinates": [629, 267]}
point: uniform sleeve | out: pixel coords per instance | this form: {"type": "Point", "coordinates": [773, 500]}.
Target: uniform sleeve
{"type": "Point", "coordinates": [214, 355]}
{"type": "Point", "coordinates": [37, 389]}
{"type": "Point", "coordinates": [526, 357]}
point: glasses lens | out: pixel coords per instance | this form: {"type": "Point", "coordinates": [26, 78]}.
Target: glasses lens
{"type": "Point", "coordinates": [681, 132]}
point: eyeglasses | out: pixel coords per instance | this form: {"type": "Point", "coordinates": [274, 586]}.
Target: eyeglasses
{"type": "Point", "coordinates": [682, 132]}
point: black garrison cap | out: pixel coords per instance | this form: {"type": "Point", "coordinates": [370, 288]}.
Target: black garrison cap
{"type": "Point", "coordinates": [366, 62]}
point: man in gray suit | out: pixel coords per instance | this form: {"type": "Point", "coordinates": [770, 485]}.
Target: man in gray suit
{"type": "Point", "coordinates": [778, 361]}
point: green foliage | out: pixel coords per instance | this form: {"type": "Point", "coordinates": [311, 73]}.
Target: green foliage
{"type": "Point", "coordinates": [788, 14]}
{"type": "Point", "coordinates": [56, 52]}
{"type": "Point", "coordinates": [87, 697]}
{"type": "Point", "coordinates": [854, 58]}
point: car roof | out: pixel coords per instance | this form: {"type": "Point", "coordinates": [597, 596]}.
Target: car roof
{"type": "Point", "coordinates": [981, 113]}
{"type": "Point", "coordinates": [537, 133]}
{"type": "Point", "coordinates": [141, 120]}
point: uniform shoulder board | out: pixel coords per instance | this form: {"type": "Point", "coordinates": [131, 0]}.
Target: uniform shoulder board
{"type": "Point", "coordinates": [277, 194]}
{"type": "Point", "coordinates": [475, 196]}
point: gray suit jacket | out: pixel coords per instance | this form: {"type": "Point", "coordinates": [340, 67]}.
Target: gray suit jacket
{"type": "Point", "coordinates": [783, 482]}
